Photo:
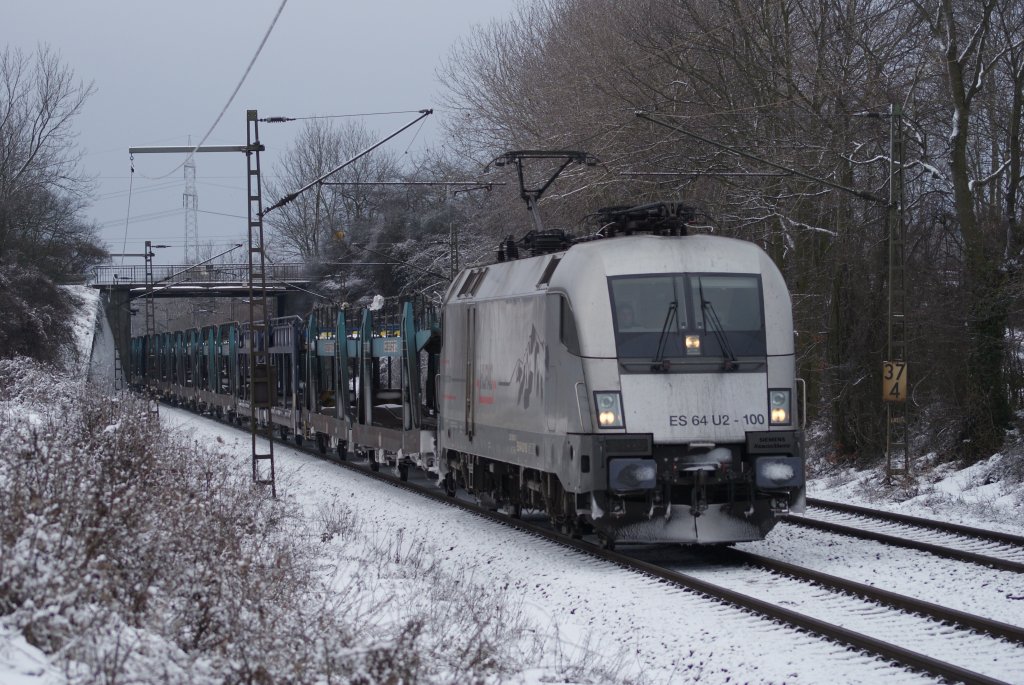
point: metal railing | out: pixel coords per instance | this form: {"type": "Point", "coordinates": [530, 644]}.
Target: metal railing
{"type": "Point", "coordinates": [207, 273]}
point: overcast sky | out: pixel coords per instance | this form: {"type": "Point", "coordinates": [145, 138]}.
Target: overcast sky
{"type": "Point", "coordinates": [164, 70]}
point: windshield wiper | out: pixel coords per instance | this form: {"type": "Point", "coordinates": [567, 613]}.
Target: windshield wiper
{"type": "Point", "coordinates": [711, 317]}
{"type": "Point", "coordinates": [659, 363]}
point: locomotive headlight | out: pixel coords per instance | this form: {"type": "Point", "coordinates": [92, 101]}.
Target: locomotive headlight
{"type": "Point", "coordinates": [779, 406]}
{"type": "Point", "coordinates": [609, 409]}
{"type": "Point", "coordinates": [692, 344]}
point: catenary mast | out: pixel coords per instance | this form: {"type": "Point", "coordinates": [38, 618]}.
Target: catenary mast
{"type": "Point", "coordinates": [191, 203]}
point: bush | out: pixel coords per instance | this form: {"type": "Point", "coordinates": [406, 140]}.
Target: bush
{"type": "Point", "coordinates": [36, 314]}
{"type": "Point", "coordinates": [131, 554]}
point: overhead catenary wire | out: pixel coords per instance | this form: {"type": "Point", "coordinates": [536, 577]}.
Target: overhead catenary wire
{"type": "Point", "coordinates": [413, 266]}
{"type": "Point", "coordinates": [238, 87]}
{"type": "Point", "coordinates": [414, 136]}
{"type": "Point", "coordinates": [742, 153]}
{"type": "Point", "coordinates": [162, 214]}
{"type": "Point", "coordinates": [128, 213]}
{"type": "Point", "coordinates": [283, 119]}
{"type": "Point", "coordinates": [142, 189]}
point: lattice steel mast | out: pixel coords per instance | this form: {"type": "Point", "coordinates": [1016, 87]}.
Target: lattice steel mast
{"type": "Point", "coordinates": [260, 370]}
{"type": "Point", "coordinates": [190, 200]}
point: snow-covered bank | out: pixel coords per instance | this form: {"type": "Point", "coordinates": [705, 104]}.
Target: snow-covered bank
{"type": "Point", "coordinates": [23, 664]}
{"type": "Point", "coordinates": [87, 322]}
{"type": "Point", "coordinates": [988, 494]}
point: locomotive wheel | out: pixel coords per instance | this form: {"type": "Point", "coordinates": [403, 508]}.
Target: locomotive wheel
{"type": "Point", "coordinates": [449, 484]}
{"type": "Point", "coordinates": [374, 464]}
{"type": "Point", "coordinates": [403, 471]}
{"type": "Point", "coordinates": [321, 443]}
{"type": "Point", "coordinates": [605, 542]}
{"type": "Point", "coordinates": [298, 439]}
{"type": "Point", "coordinates": [342, 450]}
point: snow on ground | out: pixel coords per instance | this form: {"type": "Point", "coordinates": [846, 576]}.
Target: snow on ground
{"type": "Point", "coordinates": [574, 605]}
{"type": "Point", "coordinates": [968, 587]}
{"type": "Point", "coordinates": [23, 664]}
{"type": "Point", "coordinates": [85, 326]}
{"type": "Point", "coordinates": [912, 574]}
{"type": "Point", "coordinates": [976, 496]}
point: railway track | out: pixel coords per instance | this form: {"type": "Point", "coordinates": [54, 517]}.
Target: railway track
{"type": "Point", "coordinates": [937, 612]}
{"type": "Point", "coordinates": [992, 549]}
{"type": "Point", "coordinates": [954, 528]}
{"type": "Point", "coordinates": [828, 629]}
{"type": "Point", "coordinates": [974, 643]}
{"type": "Point", "coordinates": [714, 590]}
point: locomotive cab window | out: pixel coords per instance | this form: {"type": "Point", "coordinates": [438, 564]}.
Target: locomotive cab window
{"type": "Point", "coordinates": [688, 317]}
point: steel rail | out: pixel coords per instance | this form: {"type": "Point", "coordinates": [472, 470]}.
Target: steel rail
{"type": "Point", "coordinates": [904, 657]}
{"type": "Point", "coordinates": [937, 550]}
{"type": "Point", "coordinates": [902, 602]}
{"type": "Point", "coordinates": [955, 528]}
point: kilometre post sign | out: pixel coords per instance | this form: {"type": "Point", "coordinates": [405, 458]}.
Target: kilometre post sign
{"type": "Point", "coordinates": [894, 381]}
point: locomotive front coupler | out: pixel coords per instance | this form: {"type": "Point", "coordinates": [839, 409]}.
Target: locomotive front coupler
{"type": "Point", "coordinates": [699, 493]}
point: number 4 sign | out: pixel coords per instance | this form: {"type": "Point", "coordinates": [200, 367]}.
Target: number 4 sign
{"type": "Point", "coordinates": [894, 381]}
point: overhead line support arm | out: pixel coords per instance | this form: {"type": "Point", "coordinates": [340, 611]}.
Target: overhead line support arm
{"type": "Point", "coordinates": [291, 196]}
{"type": "Point", "coordinates": [863, 194]}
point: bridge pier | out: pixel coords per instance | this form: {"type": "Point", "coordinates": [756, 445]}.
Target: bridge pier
{"type": "Point", "coordinates": [117, 309]}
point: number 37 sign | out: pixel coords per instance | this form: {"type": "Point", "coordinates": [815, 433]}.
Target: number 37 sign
{"type": "Point", "coordinates": [894, 381]}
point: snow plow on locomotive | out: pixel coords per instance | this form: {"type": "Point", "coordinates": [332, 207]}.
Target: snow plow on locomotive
{"type": "Point", "coordinates": [639, 384]}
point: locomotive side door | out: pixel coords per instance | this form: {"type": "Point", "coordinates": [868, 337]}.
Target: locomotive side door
{"type": "Point", "coordinates": [552, 306]}
{"type": "Point", "coordinates": [470, 387]}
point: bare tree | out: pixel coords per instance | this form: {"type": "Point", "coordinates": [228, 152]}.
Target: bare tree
{"type": "Point", "coordinates": [785, 80]}
{"type": "Point", "coordinates": [976, 47]}
{"type": "Point", "coordinates": [42, 189]}
{"type": "Point", "coordinates": [302, 228]}
{"type": "Point", "coordinates": [43, 238]}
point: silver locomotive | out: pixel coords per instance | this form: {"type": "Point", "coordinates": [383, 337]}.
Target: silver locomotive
{"type": "Point", "coordinates": [639, 386]}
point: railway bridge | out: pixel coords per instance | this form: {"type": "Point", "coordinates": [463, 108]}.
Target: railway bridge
{"type": "Point", "coordinates": [123, 289]}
